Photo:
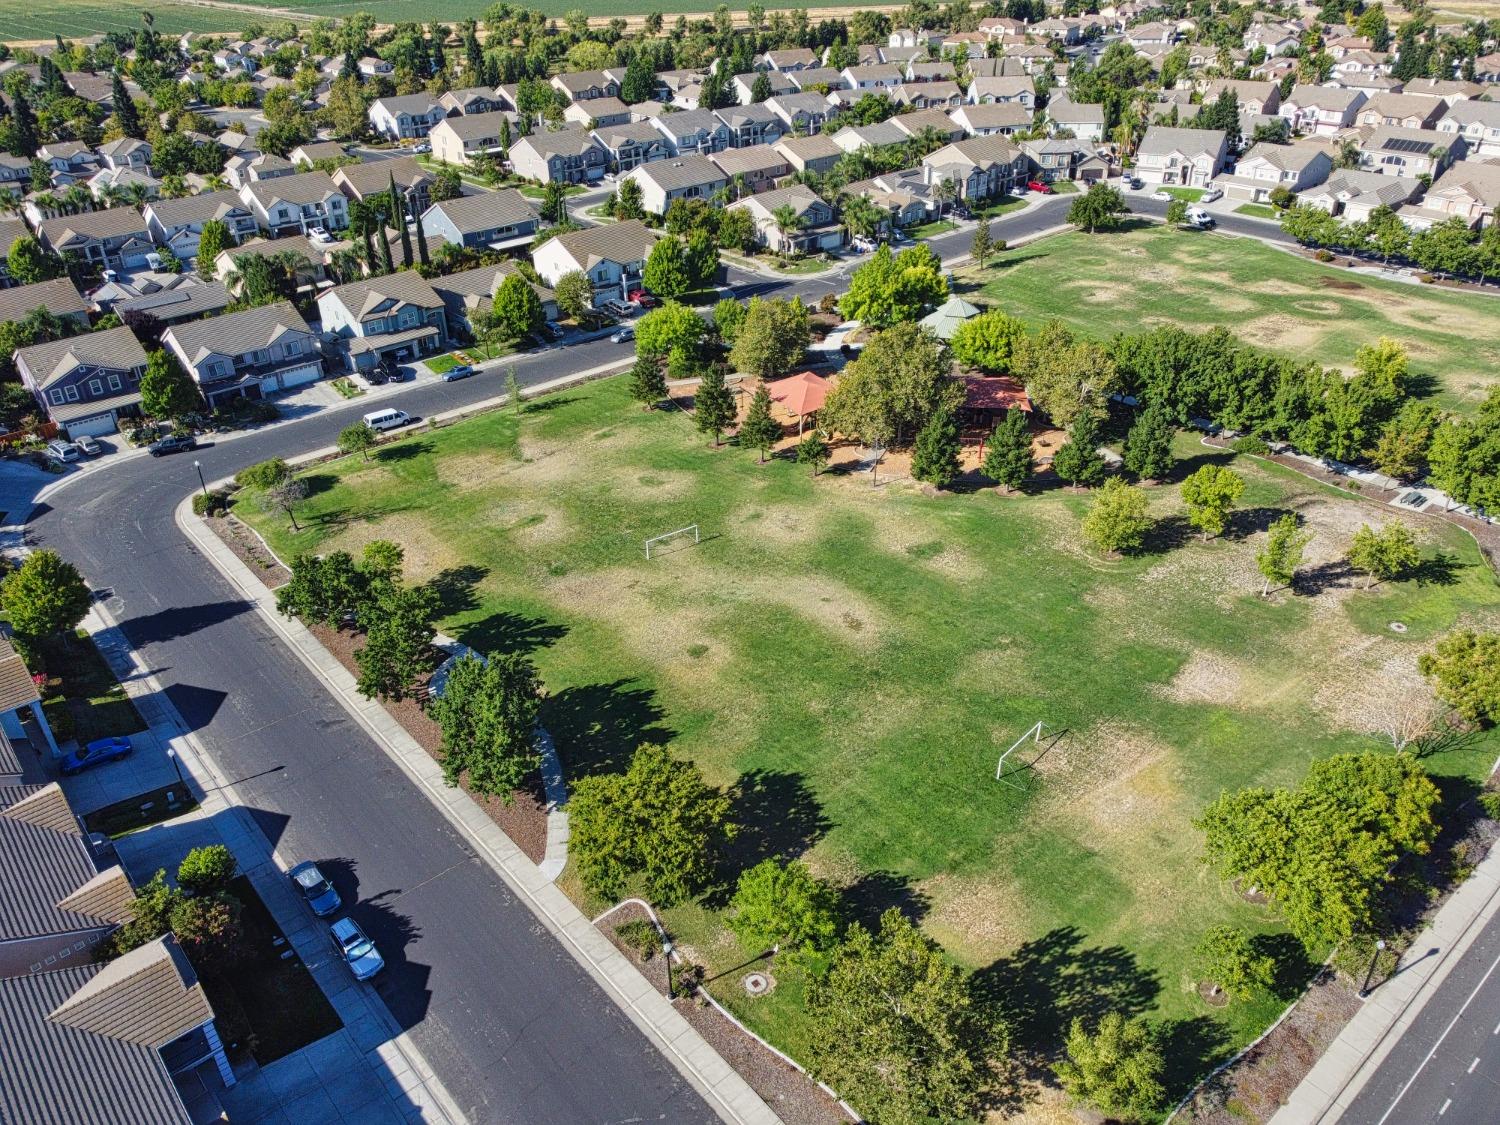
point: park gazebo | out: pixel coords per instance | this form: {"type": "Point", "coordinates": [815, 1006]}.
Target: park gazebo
{"type": "Point", "coordinates": [800, 395]}
{"type": "Point", "coordinates": [987, 398]}
{"type": "Point", "coordinates": [943, 321]}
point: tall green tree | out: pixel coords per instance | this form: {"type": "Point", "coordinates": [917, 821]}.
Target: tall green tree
{"type": "Point", "coordinates": [1209, 494]}
{"type": "Point", "coordinates": [1465, 666]}
{"type": "Point", "coordinates": [212, 241]}
{"type": "Point", "coordinates": [398, 643]}
{"type": "Point", "coordinates": [669, 326]}
{"type": "Point", "coordinates": [898, 1030]}
{"type": "Point", "coordinates": [487, 713]}
{"type": "Point", "coordinates": [659, 821]}
{"type": "Point", "coordinates": [1226, 957]}
{"type": "Point", "coordinates": [358, 438]}
{"type": "Point", "coordinates": [517, 308]}
{"type": "Point", "coordinates": [1117, 1068]}
{"type": "Point", "coordinates": [982, 246]}
{"type": "Point", "coordinates": [988, 341]}
{"type": "Point", "coordinates": [771, 339]}
{"type": "Point", "coordinates": [666, 272]}
{"type": "Point", "coordinates": [1387, 554]}
{"type": "Point", "coordinates": [889, 289]}
{"type": "Point", "coordinates": [28, 263]}
{"type": "Point", "coordinates": [713, 405]}
{"type": "Point", "coordinates": [648, 384]}
{"type": "Point", "coordinates": [1117, 521]}
{"type": "Point", "coordinates": [1078, 461]}
{"type": "Point", "coordinates": [1148, 445]}
{"type": "Point", "coordinates": [1008, 458]}
{"type": "Point", "coordinates": [886, 395]}
{"type": "Point", "coordinates": [126, 114]}
{"type": "Point", "coordinates": [45, 595]}
{"type": "Point", "coordinates": [167, 391]}
{"type": "Point", "coordinates": [812, 450]}
{"type": "Point", "coordinates": [1100, 208]}
{"type": "Point", "coordinates": [784, 905]}
{"type": "Point", "coordinates": [935, 455]}
{"type": "Point", "coordinates": [759, 431]}
{"type": "Point", "coordinates": [574, 293]}
{"type": "Point", "coordinates": [1282, 555]}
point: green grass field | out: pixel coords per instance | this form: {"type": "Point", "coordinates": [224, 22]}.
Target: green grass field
{"type": "Point", "coordinates": [856, 659]}
{"type": "Point", "coordinates": [1124, 282]}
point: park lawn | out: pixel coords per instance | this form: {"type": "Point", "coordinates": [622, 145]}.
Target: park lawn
{"type": "Point", "coordinates": [929, 230]}
{"type": "Point", "coordinates": [857, 659]}
{"type": "Point", "coordinates": [1136, 279]}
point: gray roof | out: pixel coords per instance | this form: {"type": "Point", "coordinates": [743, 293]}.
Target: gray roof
{"type": "Point", "coordinates": [17, 688]}
{"type": "Point", "coordinates": [583, 79]}
{"type": "Point", "coordinates": [1470, 110]}
{"type": "Point", "coordinates": [415, 104]}
{"type": "Point", "coordinates": [469, 126]}
{"type": "Point", "coordinates": [815, 147]}
{"type": "Point", "coordinates": [374, 176]}
{"type": "Point", "coordinates": [737, 115]}
{"type": "Point", "coordinates": [993, 115]}
{"type": "Point", "coordinates": [641, 132]}
{"type": "Point", "coordinates": [59, 295]}
{"type": "Point", "coordinates": [114, 349]}
{"type": "Point", "coordinates": [196, 208]}
{"type": "Point", "coordinates": [1067, 112]}
{"type": "Point", "coordinates": [1289, 158]}
{"type": "Point", "coordinates": [1161, 141]}
{"type": "Point", "coordinates": [1322, 97]}
{"type": "Point", "coordinates": [562, 142]}
{"type": "Point", "coordinates": [305, 187]}
{"type": "Point", "coordinates": [184, 301]}
{"type": "Point", "coordinates": [880, 133]}
{"type": "Point", "coordinates": [10, 230]}
{"type": "Point", "coordinates": [1412, 142]}
{"type": "Point", "coordinates": [680, 172]}
{"type": "Point", "coordinates": [40, 866]}
{"type": "Point", "coordinates": [689, 121]}
{"type": "Point", "coordinates": [111, 223]}
{"type": "Point", "coordinates": [811, 103]}
{"type": "Point", "coordinates": [362, 297]}
{"type": "Point", "coordinates": [486, 210]}
{"type": "Point", "coordinates": [629, 241]}
{"type": "Point", "coordinates": [238, 332]}
{"type": "Point", "coordinates": [67, 1076]}
{"type": "Point", "coordinates": [751, 158]}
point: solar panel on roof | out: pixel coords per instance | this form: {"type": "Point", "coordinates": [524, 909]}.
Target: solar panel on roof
{"type": "Point", "coordinates": [1406, 144]}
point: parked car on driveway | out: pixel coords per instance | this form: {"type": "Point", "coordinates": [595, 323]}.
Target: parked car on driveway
{"type": "Point", "coordinates": [357, 950]}
{"type": "Point", "coordinates": [1134, 183]}
{"type": "Point", "coordinates": [1039, 187]}
{"type": "Point", "coordinates": [172, 443]}
{"type": "Point", "coordinates": [63, 452]}
{"type": "Point", "coordinates": [315, 888]}
{"type": "Point", "coordinates": [95, 753]}
{"type": "Point", "coordinates": [552, 330]}
{"type": "Point", "coordinates": [88, 446]}
{"type": "Point", "coordinates": [644, 299]}
{"type": "Point", "coordinates": [1211, 194]}
{"type": "Point", "coordinates": [462, 371]}
{"type": "Point", "coordinates": [623, 335]}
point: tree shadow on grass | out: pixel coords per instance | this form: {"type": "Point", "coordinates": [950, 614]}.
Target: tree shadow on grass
{"type": "Point", "coordinates": [1049, 982]}
{"type": "Point", "coordinates": [872, 894]}
{"type": "Point", "coordinates": [777, 815]}
{"type": "Point", "coordinates": [1439, 570]}
{"type": "Point", "coordinates": [597, 727]}
{"type": "Point", "coordinates": [1187, 466]}
{"type": "Point", "coordinates": [1245, 522]}
{"type": "Point", "coordinates": [1292, 967]}
{"type": "Point", "coordinates": [543, 405]}
{"type": "Point", "coordinates": [319, 482]}
{"type": "Point", "coordinates": [1170, 533]}
{"type": "Point", "coordinates": [506, 632]}
{"type": "Point", "coordinates": [1336, 574]}
{"type": "Point", "coordinates": [454, 588]}
{"type": "Point", "coordinates": [403, 451]}
{"type": "Point", "coordinates": [1191, 1047]}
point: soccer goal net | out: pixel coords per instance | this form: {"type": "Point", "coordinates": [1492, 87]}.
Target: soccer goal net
{"type": "Point", "coordinates": [659, 542]}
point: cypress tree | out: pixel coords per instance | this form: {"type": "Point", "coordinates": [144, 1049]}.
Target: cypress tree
{"type": "Point", "coordinates": [1079, 462]}
{"type": "Point", "coordinates": [648, 385]}
{"type": "Point", "coordinates": [934, 458]}
{"type": "Point", "coordinates": [760, 430]}
{"type": "Point", "coordinates": [1008, 459]}
{"type": "Point", "coordinates": [713, 406]}
{"type": "Point", "coordinates": [23, 140]}
{"type": "Point", "coordinates": [125, 112]}
{"type": "Point", "coordinates": [422, 243]}
{"type": "Point", "coordinates": [1148, 446]}
{"type": "Point", "coordinates": [398, 208]}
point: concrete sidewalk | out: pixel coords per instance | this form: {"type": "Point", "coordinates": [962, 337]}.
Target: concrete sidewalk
{"type": "Point", "coordinates": [729, 1095]}
{"type": "Point", "coordinates": [1362, 1046]}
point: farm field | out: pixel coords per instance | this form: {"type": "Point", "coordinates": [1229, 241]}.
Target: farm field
{"type": "Point", "coordinates": [1122, 282]}
{"type": "Point", "coordinates": [854, 660]}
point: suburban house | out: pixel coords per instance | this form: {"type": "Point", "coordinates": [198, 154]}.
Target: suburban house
{"type": "Point", "coordinates": [696, 130]}
{"type": "Point", "coordinates": [817, 80]}
{"type": "Point", "coordinates": [585, 85]}
{"type": "Point", "coordinates": [502, 220]}
{"type": "Point", "coordinates": [664, 182]}
{"type": "Point", "coordinates": [457, 140]}
{"type": "Point", "coordinates": [1403, 111]}
{"type": "Point", "coordinates": [469, 294]}
{"type": "Point", "coordinates": [116, 238]}
{"type": "Point", "coordinates": [852, 138]}
{"type": "Point", "coordinates": [988, 118]}
{"type": "Point", "coordinates": [370, 66]}
{"type": "Point", "coordinates": [904, 197]}
{"type": "Point", "coordinates": [1469, 190]}
{"type": "Point", "coordinates": [297, 204]}
{"type": "Point", "coordinates": [597, 112]}
{"type": "Point", "coordinates": [85, 383]}
{"type": "Point", "coordinates": [127, 152]}
{"type": "Point", "coordinates": [743, 85]}
{"type": "Point", "coordinates": [471, 99]}
{"type": "Point", "coordinates": [407, 117]}
{"type": "Point", "coordinates": [70, 161]}
{"type": "Point", "coordinates": [631, 145]}
{"type": "Point", "coordinates": [1260, 99]}
{"type": "Point", "coordinates": [934, 70]}
{"type": "Point", "coordinates": [872, 78]}
{"type": "Point", "coordinates": [309, 154]}
{"type": "Point", "coordinates": [751, 125]}
{"type": "Point", "coordinates": [1321, 109]}
{"type": "Point", "coordinates": [88, 1041]}
{"type": "Point", "coordinates": [977, 167]}
{"type": "Point", "coordinates": [1354, 194]}
{"type": "Point", "coordinates": [802, 113]}
{"type": "Point", "coordinates": [315, 269]}
{"type": "Point", "coordinates": [818, 228]}
{"type": "Point", "coordinates": [1189, 157]}
{"type": "Point", "coordinates": [184, 297]}
{"type": "Point", "coordinates": [569, 156]}
{"type": "Point", "coordinates": [1003, 88]}
{"type": "Point", "coordinates": [791, 58]}
{"type": "Point", "coordinates": [754, 169]}
{"type": "Point", "coordinates": [362, 181]}
{"type": "Point", "coordinates": [1267, 167]}
{"type": "Point", "coordinates": [397, 317]}
{"type": "Point", "coordinates": [1059, 158]}
{"type": "Point", "coordinates": [247, 354]}
{"type": "Point", "coordinates": [1086, 122]}
{"type": "Point", "coordinates": [612, 257]}
{"type": "Point", "coordinates": [177, 223]}
{"type": "Point", "coordinates": [247, 167]}
{"type": "Point", "coordinates": [927, 95]}
{"type": "Point", "coordinates": [816, 153]}
{"type": "Point", "coordinates": [917, 122]}
{"type": "Point", "coordinates": [1410, 152]}
{"type": "Point", "coordinates": [59, 296]}
{"type": "Point", "coordinates": [1478, 123]}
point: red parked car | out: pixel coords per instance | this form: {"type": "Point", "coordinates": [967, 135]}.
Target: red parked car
{"type": "Point", "coordinates": [1039, 187]}
{"type": "Point", "coordinates": [642, 298]}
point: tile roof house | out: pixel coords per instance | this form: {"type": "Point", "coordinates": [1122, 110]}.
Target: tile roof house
{"type": "Point", "coordinates": [585, 85]}
{"type": "Point", "coordinates": [1321, 109]}
{"type": "Point", "coordinates": [1267, 167]}
{"type": "Point", "coordinates": [1478, 122]}
{"type": "Point", "coordinates": [791, 58]}
{"type": "Point", "coordinates": [309, 154]}
{"type": "Point", "coordinates": [1469, 190]}
{"type": "Point", "coordinates": [297, 204]}
{"type": "Point", "coordinates": [496, 220]}
{"type": "Point", "coordinates": [816, 153]}
{"type": "Point", "coordinates": [406, 118]}
{"type": "Point", "coordinates": [754, 169]}
{"type": "Point", "coordinates": [927, 95]}
{"type": "Point", "coordinates": [1354, 194]}
{"type": "Point", "coordinates": [1404, 111]}
{"type": "Point", "coordinates": [1009, 88]}
{"type": "Point", "coordinates": [628, 146]}
{"type": "Point", "coordinates": [85, 383]}
{"type": "Point", "coordinates": [1396, 151]}
{"type": "Point", "coordinates": [818, 79]}
{"type": "Point", "coordinates": [1253, 97]}
{"type": "Point", "coordinates": [116, 238]}
{"type": "Point", "coordinates": [1054, 158]}
{"type": "Point", "coordinates": [695, 130]}
{"type": "Point", "coordinates": [314, 255]}
{"type": "Point", "coordinates": [994, 117]}
{"type": "Point", "coordinates": [751, 125]}
{"type": "Point", "coordinates": [612, 256]}
{"type": "Point", "coordinates": [743, 85]}
{"type": "Point", "coordinates": [820, 229]}
{"type": "Point", "coordinates": [396, 317]}
{"type": "Point", "coordinates": [185, 297]}
{"type": "Point", "coordinates": [664, 182]}
{"type": "Point", "coordinates": [1085, 122]}
{"type": "Point", "coordinates": [805, 114]}
{"type": "Point", "coordinates": [852, 138]}
{"type": "Point", "coordinates": [569, 156]}
{"type": "Point", "coordinates": [59, 296]}
{"type": "Point", "coordinates": [978, 167]}
{"type": "Point", "coordinates": [470, 99]}
{"type": "Point", "coordinates": [470, 293]}
{"type": "Point", "coordinates": [597, 112]}
{"type": "Point", "coordinates": [1189, 157]}
{"type": "Point", "coordinates": [361, 181]}
{"type": "Point", "coordinates": [919, 121]}
{"type": "Point", "coordinates": [178, 223]}
{"type": "Point", "coordinates": [247, 354]}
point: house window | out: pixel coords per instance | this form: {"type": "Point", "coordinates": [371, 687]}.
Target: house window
{"type": "Point", "coordinates": [96, 387]}
{"type": "Point", "coordinates": [56, 396]}
{"type": "Point", "coordinates": [72, 393]}
{"type": "Point", "coordinates": [114, 382]}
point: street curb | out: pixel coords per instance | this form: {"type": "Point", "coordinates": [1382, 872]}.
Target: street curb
{"type": "Point", "coordinates": [722, 1088]}
{"type": "Point", "coordinates": [1359, 1049]}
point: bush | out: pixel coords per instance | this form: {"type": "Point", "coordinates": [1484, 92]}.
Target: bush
{"type": "Point", "coordinates": [207, 870]}
{"type": "Point", "coordinates": [1490, 803]}
{"type": "Point", "coordinates": [1249, 444]}
{"type": "Point", "coordinates": [214, 503]}
{"type": "Point", "coordinates": [1323, 256]}
{"type": "Point", "coordinates": [641, 936]}
{"type": "Point", "coordinates": [829, 303]}
{"type": "Point", "coordinates": [265, 474]}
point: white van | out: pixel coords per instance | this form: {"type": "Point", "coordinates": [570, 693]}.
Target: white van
{"type": "Point", "coordinates": [1199, 218]}
{"type": "Point", "coordinates": [381, 420]}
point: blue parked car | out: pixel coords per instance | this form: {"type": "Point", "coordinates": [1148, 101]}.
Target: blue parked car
{"type": "Point", "coordinates": [100, 750]}
{"type": "Point", "coordinates": [462, 371]}
{"type": "Point", "coordinates": [357, 950]}
{"type": "Point", "coordinates": [316, 888]}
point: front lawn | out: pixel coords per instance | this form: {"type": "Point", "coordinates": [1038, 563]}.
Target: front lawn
{"type": "Point", "coordinates": [853, 661]}
{"type": "Point", "coordinates": [928, 230]}
{"type": "Point", "coordinates": [1065, 187]}
{"type": "Point", "coordinates": [1186, 194]}
{"type": "Point", "coordinates": [439, 364]}
{"type": "Point", "coordinates": [1130, 280]}
{"type": "Point", "coordinates": [141, 811]}
{"type": "Point", "coordinates": [82, 698]}
{"type": "Point", "coordinates": [1002, 206]}
{"type": "Point", "coordinates": [533, 191]}
{"type": "Point", "coordinates": [1257, 211]}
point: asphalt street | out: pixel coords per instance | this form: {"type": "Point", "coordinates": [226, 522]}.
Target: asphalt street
{"type": "Point", "coordinates": [1446, 1068]}
{"type": "Point", "coordinates": [514, 1028]}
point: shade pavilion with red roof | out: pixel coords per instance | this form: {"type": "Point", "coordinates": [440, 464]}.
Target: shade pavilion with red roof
{"type": "Point", "coordinates": [801, 395]}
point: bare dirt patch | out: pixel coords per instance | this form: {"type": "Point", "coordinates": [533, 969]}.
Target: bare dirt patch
{"type": "Point", "coordinates": [470, 471]}
{"type": "Point", "coordinates": [427, 552]}
{"type": "Point", "coordinates": [1283, 333]}
{"type": "Point", "coordinates": [1206, 677]}
{"type": "Point", "coordinates": [980, 917]}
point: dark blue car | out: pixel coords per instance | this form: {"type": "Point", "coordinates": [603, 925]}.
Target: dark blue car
{"type": "Point", "coordinates": [100, 750]}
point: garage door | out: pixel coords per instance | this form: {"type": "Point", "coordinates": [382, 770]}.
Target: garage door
{"type": "Point", "coordinates": [96, 426]}
{"type": "Point", "coordinates": [297, 377]}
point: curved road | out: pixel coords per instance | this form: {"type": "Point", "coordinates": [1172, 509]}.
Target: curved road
{"type": "Point", "coordinates": [512, 1025]}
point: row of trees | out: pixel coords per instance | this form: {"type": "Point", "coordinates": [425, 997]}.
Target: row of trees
{"type": "Point", "coordinates": [1450, 247]}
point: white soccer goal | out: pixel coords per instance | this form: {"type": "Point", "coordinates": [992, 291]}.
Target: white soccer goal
{"type": "Point", "coordinates": [681, 531]}
{"type": "Point", "coordinates": [1033, 735]}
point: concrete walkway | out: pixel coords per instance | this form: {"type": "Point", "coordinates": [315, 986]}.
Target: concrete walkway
{"type": "Point", "coordinates": [725, 1091]}
{"type": "Point", "coordinates": [1362, 1046]}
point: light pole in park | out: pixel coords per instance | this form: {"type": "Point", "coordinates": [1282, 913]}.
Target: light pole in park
{"type": "Point", "coordinates": [1364, 989]}
{"type": "Point", "coordinates": [666, 952]}
{"type": "Point", "coordinates": [203, 484]}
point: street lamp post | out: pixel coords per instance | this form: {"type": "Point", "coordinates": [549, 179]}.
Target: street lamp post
{"type": "Point", "coordinates": [1379, 949]}
{"type": "Point", "coordinates": [203, 484]}
{"type": "Point", "coordinates": [666, 952]}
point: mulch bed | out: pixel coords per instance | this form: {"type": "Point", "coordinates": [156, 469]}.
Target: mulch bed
{"type": "Point", "coordinates": [795, 1097]}
{"type": "Point", "coordinates": [524, 820]}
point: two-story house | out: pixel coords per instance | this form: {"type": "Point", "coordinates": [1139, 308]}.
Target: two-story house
{"type": "Point", "coordinates": [1354, 195]}
{"type": "Point", "coordinates": [752, 170]}
{"type": "Point", "coordinates": [818, 228]}
{"type": "Point", "coordinates": [85, 383]}
{"type": "Point", "coordinates": [1003, 88]}
{"type": "Point", "coordinates": [1084, 121]}
{"type": "Point", "coordinates": [470, 99]}
{"type": "Point", "coordinates": [1185, 157]}
{"type": "Point", "coordinates": [502, 220]}
{"type": "Point", "coordinates": [1468, 190]}
{"type": "Point", "coordinates": [664, 182]}
{"type": "Point", "coordinates": [871, 78]}
{"type": "Point", "coordinates": [458, 140]}
{"type": "Point", "coordinates": [373, 180]}
{"type": "Point", "coordinates": [694, 131]}
{"type": "Point", "coordinates": [790, 58]}
{"type": "Point", "coordinates": [569, 156]}
{"type": "Point", "coordinates": [751, 125]}
{"type": "Point", "coordinates": [247, 354]}
{"type": "Point", "coordinates": [1267, 167]}
{"type": "Point", "coordinates": [853, 138]}
{"type": "Point", "coordinates": [178, 223]}
{"type": "Point", "coordinates": [802, 114]}
{"type": "Point", "coordinates": [1402, 111]}
{"type": "Point", "coordinates": [127, 152]}
{"type": "Point", "coordinates": [297, 204]}
{"type": "Point", "coordinates": [597, 113]}
{"type": "Point", "coordinates": [1477, 122]}
{"type": "Point", "coordinates": [986, 119]}
{"type": "Point", "coordinates": [1055, 158]}
{"type": "Point", "coordinates": [408, 117]}
{"type": "Point", "coordinates": [1321, 109]}
{"type": "Point", "coordinates": [312, 265]}
{"type": "Point", "coordinates": [59, 296]}
{"type": "Point", "coordinates": [115, 238]}
{"type": "Point", "coordinates": [978, 167]}
{"type": "Point", "coordinates": [743, 85]}
{"type": "Point", "coordinates": [71, 162]}
{"type": "Point", "coordinates": [1394, 151]}
{"type": "Point", "coordinates": [1254, 98]}
{"type": "Point", "coordinates": [397, 317]}
{"type": "Point", "coordinates": [927, 122]}
{"type": "Point", "coordinates": [469, 294]}
{"type": "Point", "coordinates": [629, 146]}
{"type": "Point", "coordinates": [612, 256]}
{"type": "Point", "coordinates": [816, 153]}
{"type": "Point", "coordinates": [583, 85]}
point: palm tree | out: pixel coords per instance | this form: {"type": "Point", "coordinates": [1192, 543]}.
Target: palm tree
{"type": "Point", "coordinates": [216, 182]}
{"type": "Point", "coordinates": [136, 193]}
{"type": "Point", "coordinates": [47, 203]}
{"type": "Point", "coordinates": [787, 222]}
{"type": "Point", "coordinates": [861, 217]}
{"type": "Point", "coordinates": [741, 188]}
{"type": "Point", "coordinates": [78, 199]}
{"type": "Point", "coordinates": [945, 191]}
